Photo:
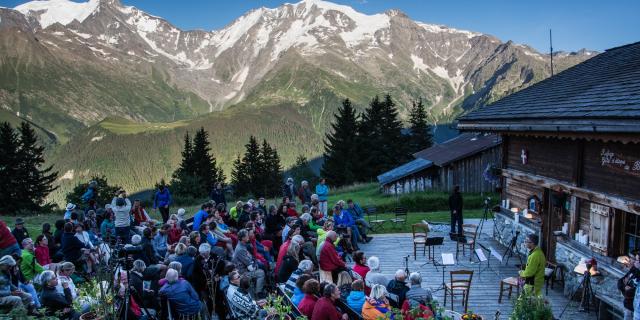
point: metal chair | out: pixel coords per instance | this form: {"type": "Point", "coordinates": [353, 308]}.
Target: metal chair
{"type": "Point", "coordinates": [376, 223]}
{"type": "Point", "coordinates": [460, 284]}
{"type": "Point", "coordinates": [470, 232]}
{"type": "Point", "coordinates": [400, 214]}
{"type": "Point", "coordinates": [419, 231]}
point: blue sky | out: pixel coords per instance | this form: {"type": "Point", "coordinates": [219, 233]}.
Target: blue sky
{"type": "Point", "coordinates": [595, 25]}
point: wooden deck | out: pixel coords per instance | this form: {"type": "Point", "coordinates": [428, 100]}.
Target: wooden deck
{"type": "Point", "coordinates": [392, 248]}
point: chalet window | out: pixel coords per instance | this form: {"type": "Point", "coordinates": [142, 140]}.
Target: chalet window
{"type": "Point", "coordinates": [599, 228]}
{"type": "Point", "coordinates": [632, 233]}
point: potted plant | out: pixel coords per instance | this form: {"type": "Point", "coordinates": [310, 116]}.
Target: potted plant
{"type": "Point", "coordinates": [277, 309]}
{"type": "Point", "coordinates": [99, 301]}
{"type": "Point", "coordinates": [529, 306]}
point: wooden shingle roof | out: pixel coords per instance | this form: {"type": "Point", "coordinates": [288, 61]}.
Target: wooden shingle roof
{"type": "Point", "coordinates": [601, 94]}
{"type": "Point", "coordinates": [460, 147]}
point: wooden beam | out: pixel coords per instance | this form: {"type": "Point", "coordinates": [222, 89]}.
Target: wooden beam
{"type": "Point", "coordinates": [632, 206]}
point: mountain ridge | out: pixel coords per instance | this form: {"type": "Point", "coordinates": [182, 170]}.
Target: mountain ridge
{"type": "Point", "coordinates": [296, 62]}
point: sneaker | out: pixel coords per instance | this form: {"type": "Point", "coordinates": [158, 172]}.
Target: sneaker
{"type": "Point", "coordinates": [368, 239]}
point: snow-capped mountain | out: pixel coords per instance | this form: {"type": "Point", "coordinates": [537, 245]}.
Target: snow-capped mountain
{"type": "Point", "coordinates": [446, 66]}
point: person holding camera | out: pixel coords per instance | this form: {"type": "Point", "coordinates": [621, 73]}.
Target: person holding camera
{"type": "Point", "coordinates": [121, 206]}
{"type": "Point", "coordinates": [628, 283]}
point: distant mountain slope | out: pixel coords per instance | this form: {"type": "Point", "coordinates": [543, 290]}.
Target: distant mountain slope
{"type": "Point", "coordinates": [66, 66]}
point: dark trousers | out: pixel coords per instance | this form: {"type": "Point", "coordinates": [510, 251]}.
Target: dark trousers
{"type": "Point", "coordinates": [165, 214]}
{"type": "Point", "coordinates": [123, 234]}
{"type": "Point", "coordinates": [456, 219]}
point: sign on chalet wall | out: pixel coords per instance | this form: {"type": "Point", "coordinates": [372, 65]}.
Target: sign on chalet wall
{"type": "Point", "coordinates": [620, 162]}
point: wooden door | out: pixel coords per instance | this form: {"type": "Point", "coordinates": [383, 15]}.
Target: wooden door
{"type": "Point", "coordinates": [552, 220]}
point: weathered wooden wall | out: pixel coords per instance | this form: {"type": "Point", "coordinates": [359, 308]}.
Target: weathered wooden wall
{"type": "Point", "coordinates": [612, 168]}
{"type": "Point", "coordinates": [546, 157]}
{"type": "Point", "coordinates": [468, 172]}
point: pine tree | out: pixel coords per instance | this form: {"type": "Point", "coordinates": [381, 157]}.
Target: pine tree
{"type": "Point", "coordinates": [184, 180]}
{"type": "Point", "coordinates": [369, 142]}
{"type": "Point", "coordinates": [271, 170]}
{"type": "Point", "coordinates": [253, 164]}
{"type": "Point", "coordinates": [239, 177]}
{"type": "Point", "coordinates": [9, 168]}
{"type": "Point", "coordinates": [421, 136]}
{"type": "Point", "coordinates": [205, 165]}
{"type": "Point", "coordinates": [34, 182]}
{"type": "Point", "coordinates": [301, 170]}
{"type": "Point", "coordinates": [340, 145]}
{"type": "Point", "coordinates": [394, 147]}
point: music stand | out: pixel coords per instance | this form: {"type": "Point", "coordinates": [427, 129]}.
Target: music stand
{"type": "Point", "coordinates": [481, 258]}
{"type": "Point", "coordinates": [431, 255]}
{"type": "Point", "coordinates": [447, 260]}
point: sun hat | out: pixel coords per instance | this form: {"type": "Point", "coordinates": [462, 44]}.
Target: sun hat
{"type": "Point", "coordinates": [70, 206]}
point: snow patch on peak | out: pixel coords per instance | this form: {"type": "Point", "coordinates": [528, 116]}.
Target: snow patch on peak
{"type": "Point", "coordinates": [64, 12]}
{"type": "Point", "coordinates": [444, 29]}
{"type": "Point", "coordinates": [228, 36]}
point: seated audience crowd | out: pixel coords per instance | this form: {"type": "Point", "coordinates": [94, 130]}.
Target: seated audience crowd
{"type": "Point", "coordinates": [214, 261]}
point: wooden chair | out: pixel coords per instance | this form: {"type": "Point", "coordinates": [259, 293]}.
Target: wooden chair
{"type": "Point", "coordinates": [460, 285]}
{"type": "Point", "coordinates": [552, 273]}
{"type": "Point", "coordinates": [376, 223]}
{"type": "Point", "coordinates": [470, 232]}
{"type": "Point", "coordinates": [420, 231]}
{"type": "Point", "coordinates": [511, 282]}
{"type": "Point", "coordinates": [400, 214]}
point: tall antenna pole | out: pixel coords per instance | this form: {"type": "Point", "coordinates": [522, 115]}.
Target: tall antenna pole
{"type": "Point", "coordinates": [551, 47]}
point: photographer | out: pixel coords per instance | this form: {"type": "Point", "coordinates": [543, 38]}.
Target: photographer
{"type": "Point", "coordinates": [121, 207]}
{"type": "Point", "coordinates": [628, 283]}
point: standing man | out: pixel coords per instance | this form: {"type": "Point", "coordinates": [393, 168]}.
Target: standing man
{"type": "Point", "coordinates": [322, 190]}
{"type": "Point", "coordinates": [289, 189]}
{"type": "Point", "coordinates": [455, 206]}
{"type": "Point", "coordinates": [217, 195]}
{"type": "Point", "coordinates": [20, 232]}
{"type": "Point", "coordinates": [304, 193]}
{"type": "Point", "coordinates": [121, 206]}
{"type": "Point", "coordinates": [533, 274]}
{"type": "Point", "coordinates": [91, 193]}
{"type": "Point", "coordinates": [162, 200]}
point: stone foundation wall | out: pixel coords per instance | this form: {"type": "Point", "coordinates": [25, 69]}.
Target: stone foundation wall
{"type": "Point", "coordinates": [506, 228]}
{"type": "Point", "coordinates": [604, 286]}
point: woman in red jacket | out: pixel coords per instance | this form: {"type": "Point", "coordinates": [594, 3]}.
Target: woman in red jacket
{"type": "Point", "coordinates": [42, 250]}
{"type": "Point", "coordinates": [311, 289]}
{"type": "Point", "coordinates": [325, 308]}
{"type": "Point", "coordinates": [361, 267]}
{"type": "Point", "coordinates": [8, 243]}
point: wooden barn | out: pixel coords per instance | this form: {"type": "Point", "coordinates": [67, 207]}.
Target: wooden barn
{"type": "Point", "coordinates": [465, 160]}
{"type": "Point", "coordinates": [571, 167]}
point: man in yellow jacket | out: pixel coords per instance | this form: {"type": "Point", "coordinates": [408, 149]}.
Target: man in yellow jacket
{"type": "Point", "coordinates": [533, 274]}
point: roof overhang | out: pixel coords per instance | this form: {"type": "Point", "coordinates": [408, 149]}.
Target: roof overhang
{"type": "Point", "coordinates": [552, 125]}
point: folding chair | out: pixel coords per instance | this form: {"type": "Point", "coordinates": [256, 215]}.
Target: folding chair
{"type": "Point", "coordinates": [376, 224]}
{"type": "Point", "coordinates": [400, 214]}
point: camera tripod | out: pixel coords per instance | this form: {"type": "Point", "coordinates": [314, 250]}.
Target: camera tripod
{"type": "Point", "coordinates": [123, 312]}
{"type": "Point", "coordinates": [511, 249]}
{"type": "Point", "coordinates": [485, 217]}
{"type": "Point", "coordinates": [587, 297]}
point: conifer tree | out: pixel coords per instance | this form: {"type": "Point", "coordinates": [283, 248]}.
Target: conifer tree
{"type": "Point", "coordinates": [184, 180]}
{"type": "Point", "coordinates": [272, 170]}
{"type": "Point", "coordinates": [340, 145]}
{"type": "Point", "coordinates": [239, 177]}
{"type": "Point", "coordinates": [421, 136]}
{"type": "Point", "coordinates": [394, 147]}
{"type": "Point", "coordinates": [301, 170]}
{"type": "Point", "coordinates": [9, 144]}
{"type": "Point", "coordinates": [369, 141]}
{"type": "Point", "coordinates": [204, 163]}
{"type": "Point", "coordinates": [34, 181]}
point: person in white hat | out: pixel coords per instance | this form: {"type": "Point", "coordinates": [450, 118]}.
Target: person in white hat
{"type": "Point", "coordinates": [10, 295]}
{"type": "Point", "coordinates": [69, 210]}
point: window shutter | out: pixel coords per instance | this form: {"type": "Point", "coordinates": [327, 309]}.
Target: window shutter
{"type": "Point", "coordinates": [599, 229]}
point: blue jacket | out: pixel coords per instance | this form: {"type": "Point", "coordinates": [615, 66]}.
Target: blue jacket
{"type": "Point", "coordinates": [356, 211]}
{"type": "Point", "coordinates": [344, 218]}
{"type": "Point", "coordinates": [211, 239]}
{"type": "Point", "coordinates": [297, 296]}
{"type": "Point", "coordinates": [355, 300]}
{"type": "Point", "coordinates": [159, 242]}
{"type": "Point", "coordinates": [198, 218]}
{"type": "Point", "coordinates": [322, 191]}
{"type": "Point", "coordinates": [88, 195]}
{"type": "Point", "coordinates": [182, 297]}
{"type": "Point", "coordinates": [162, 198]}
{"type": "Point", "coordinates": [187, 265]}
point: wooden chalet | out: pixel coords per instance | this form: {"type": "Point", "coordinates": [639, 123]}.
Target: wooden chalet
{"type": "Point", "coordinates": [571, 166]}
{"type": "Point", "coordinates": [463, 160]}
